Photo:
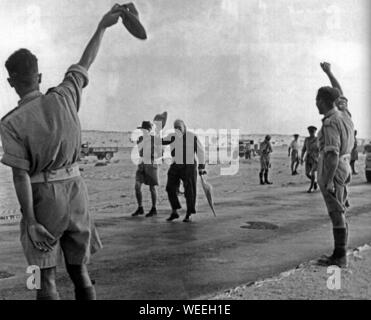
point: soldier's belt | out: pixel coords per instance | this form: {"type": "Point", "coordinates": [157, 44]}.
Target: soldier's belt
{"type": "Point", "coordinates": [56, 175]}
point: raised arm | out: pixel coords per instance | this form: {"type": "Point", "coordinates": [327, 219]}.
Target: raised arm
{"type": "Point", "coordinates": [326, 67]}
{"type": "Point", "coordinates": [91, 50]}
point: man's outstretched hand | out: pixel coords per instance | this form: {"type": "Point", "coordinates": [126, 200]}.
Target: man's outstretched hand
{"type": "Point", "coordinates": [112, 16]}
{"type": "Point", "coordinates": [326, 67]}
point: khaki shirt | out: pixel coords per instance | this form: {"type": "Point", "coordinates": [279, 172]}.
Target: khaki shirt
{"type": "Point", "coordinates": [311, 147]}
{"type": "Point", "coordinates": [265, 148]}
{"type": "Point", "coordinates": [294, 145]}
{"type": "Point", "coordinates": [337, 132]}
{"type": "Point", "coordinates": [43, 133]}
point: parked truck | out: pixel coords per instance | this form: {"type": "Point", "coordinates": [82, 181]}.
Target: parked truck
{"type": "Point", "coordinates": [100, 152]}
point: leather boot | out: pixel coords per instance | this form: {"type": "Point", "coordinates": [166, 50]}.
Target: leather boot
{"type": "Point", "coordinates": [266, 178]}
{"type": "Point", "coordinates": [339, 256]}
{"type": "Point", "coordinates": [261, 178]}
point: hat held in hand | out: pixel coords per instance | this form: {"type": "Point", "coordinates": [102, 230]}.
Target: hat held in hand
{"type": "Point", "coordinates": [130, 19]}
{"type": "Point", "coordinates": [161, 118]}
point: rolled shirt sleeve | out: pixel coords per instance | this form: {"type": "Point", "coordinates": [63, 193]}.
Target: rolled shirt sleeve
{"type": "Point", "coordinates": [15, 153]}
{"type": "Point", "coordinates": [75, 79]}
{"type": "Point", "coordinates": [332, 137]}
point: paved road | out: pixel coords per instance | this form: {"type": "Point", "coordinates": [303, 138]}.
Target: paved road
{"type": "Point", "coordinates": [153, 259]}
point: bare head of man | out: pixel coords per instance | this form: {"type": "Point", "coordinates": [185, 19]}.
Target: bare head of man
{"type": "Point", "coordinates": [326, 98]}
{"type": "Point", "coordinates": [180, 126]}
{"type": "Point", "coordinates": [23, 71]}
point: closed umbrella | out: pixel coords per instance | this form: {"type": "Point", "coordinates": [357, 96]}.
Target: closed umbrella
{"type": "Point", "coordinates": [208, 193]}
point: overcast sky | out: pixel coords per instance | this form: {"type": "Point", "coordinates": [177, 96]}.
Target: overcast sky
{"type": "Point", "coordinates": [247, 64]}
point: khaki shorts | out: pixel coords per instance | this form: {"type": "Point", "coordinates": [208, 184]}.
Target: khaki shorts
{"type": "Point", "coordinates": [335, 202]}
{"type": "Point", "coordinates": [265, 162]}
{"type": "Point", "coordinates": [62, 208]}
{"type": "Point", "coordinates": [147, 174]}
{"type": "Point", "coordinates": [311, 165]}
{"type": "Point", "coordinates": [294, 156]}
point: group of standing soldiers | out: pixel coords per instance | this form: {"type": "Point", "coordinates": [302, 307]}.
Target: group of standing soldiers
{"type": "Point", "coordinates": [309, 153]}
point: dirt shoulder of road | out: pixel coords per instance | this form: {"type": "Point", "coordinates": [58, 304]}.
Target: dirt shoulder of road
{"type": "Point", "coordinates": [311, 282]}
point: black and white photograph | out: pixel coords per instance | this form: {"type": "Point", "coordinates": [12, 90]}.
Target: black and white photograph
{"type": "Point", "coordinates": [202, 152]}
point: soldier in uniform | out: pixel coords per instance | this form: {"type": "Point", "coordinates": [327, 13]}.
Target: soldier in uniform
{"type": "Point", "coordinates": [294, 153]}
{"type": "Point", "coordinates": [184, 145]}
{"type": "Point", "coordinates": [310, 151]}
{"type": "Point", "coordinates": [265, 162]}
{"type": "Point", "coordinates": [336, 140]}
{"type": "Point", "coordinates": [41, 139]}
{"type": "Point", "coordinates": [354, 154]}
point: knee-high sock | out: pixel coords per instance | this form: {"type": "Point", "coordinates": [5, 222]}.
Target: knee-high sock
{"type": "Point", "coordinates": [49, 296]}
{"type": "Point", "coordinates": [85, 293]}
{"type": "Point", "coordinates": [261, 176]}
{"type": "Point", "coordinates": [266, 176]}
{"type": "Point", "coordinates": [312, 180]}
{"type": "Point", "coordinates": [340, 242]}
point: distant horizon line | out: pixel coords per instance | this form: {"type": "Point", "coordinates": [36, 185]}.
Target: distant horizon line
{"type": "Point", "coordinates": [115, 131]}
{"type": "Point", "coordinates": [243, 133]}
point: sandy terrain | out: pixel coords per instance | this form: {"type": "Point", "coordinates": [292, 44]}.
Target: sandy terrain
{"type": "Point", "coordinates": [259, 232]}
{"type": "Point", "coordinates": [311, 282]}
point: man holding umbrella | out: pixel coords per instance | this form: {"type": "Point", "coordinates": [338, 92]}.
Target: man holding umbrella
{"type": "Point", "coordinates": [185, 145]}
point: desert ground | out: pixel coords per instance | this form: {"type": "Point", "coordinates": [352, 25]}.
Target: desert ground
{"type": "Point", "coordinates": [258, 233]}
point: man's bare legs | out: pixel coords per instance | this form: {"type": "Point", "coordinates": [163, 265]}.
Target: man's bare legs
{"type": "Point", "coordinates": [48, 290]}
{"type": "Point", "coordinates": [84, 289]}
{"type": "Point", "coordinates": [153, 210]}
{"type": "Point", "coordinates": [138, 195]}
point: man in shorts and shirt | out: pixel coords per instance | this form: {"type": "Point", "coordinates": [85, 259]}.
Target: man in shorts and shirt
{"type": "Point", "coordinates": [265, 159]}
{"type": "Point", "coordinates": [336, 140]}
{"type": "Point", "coordinates": [294, 153]}
{"type": "Point", "coordinates": [311, 152]}
{"type": "Point", "coordinates": [41, 139]}
{"type": "Point", "coordinates": [147, 171]}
